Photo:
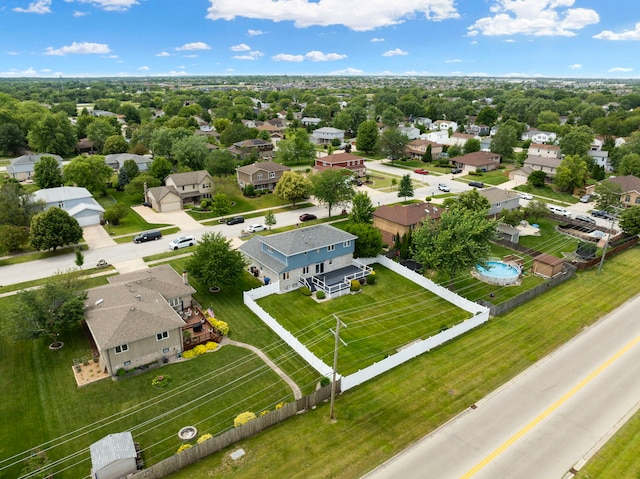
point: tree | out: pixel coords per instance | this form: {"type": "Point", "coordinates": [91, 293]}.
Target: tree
{"type": "Point", "coordinates": [577, 141]}
{"type": "Point", "coordinates": [630, 220]}
{"type": "Point", "coordinates": [296, 148]}
{"type": "Point", "coordinates": [537, 178]}
{"type": "Point", "coordinates": [487, 116]}
{"type": "Point", "coordinates": [221, 162]}
{"type": "Point", "coordinates": [471, 145]}
{"type": "Point", "coordinates": [455, 243]}
{"type": "Point", "coordinates": [190, 151]}
{"type": "Point", "coordinates": [361, 208]}
{"type": "Point", "coordinates": [160, 168]}
{"type": "Point", "coordinates": [52, 134]}
{"type": "Point", "coordinates": [162, 140]}
{"type": "Point", "coordinates": [571, 173]}
{"type": "Point", "coordinates": [503, 142]}
{"type": "Point", "coordinates": [115, 144]}
{"type": "Point", "coordinates": [293, 186]}
{"type": "Point", "coordinates": [47, 173]}
{"type": "Point", "coordinates": [393, 143]}
{"type": "Point", "coordinates": [469, 200]}
{"type": "Point", "coordinates": [11, 138]}
{"type": "Point", "coordinates": [428, 155]}
{"type": "Point", "coordinates": [49, 311]}
{"type": "Point", "coordinates": [79, 258]}
{"type": "Point", "coordinates": [332, 188]}
{"type": "Point", "coordinates": [99, 130]}
{"type": "Point", "coordinates": [406, 188]}
{"type": "Point", "coordinates": [135, 187]}
{"type": "Point", "coordinates": [536, 210]}
{"type": "Point", "coordinates": [607, 196]}
{"type": "Point", "coordinates": [367, 137]}
{"type": "Point", "coordinates": [630, 165]}
{"type": "Point", "coordinates": [12, 237]}
{"type": "Point", "coordinates": [369, 243]}
{"type": "Point", "coordinates": [130, 167]}
{"type": "Point", "coordinates": [220, 204]}
{"type": "Point", "coordinates": [17, 205]}
{"type": "Point", "coordinates": [90, 172]}
{"type": "Point", "coordinates": [53, 228]}
{"type": "Point", "coordinates": [116, 213]}
{"type": "Point", "coordinates": [391, 116]}
{"type": "Point", "coordinates": [215, 263]}
{"type": "Point", "coordinates": [270, 219]}
{"type": "Point", "coordinates": [512, 217]}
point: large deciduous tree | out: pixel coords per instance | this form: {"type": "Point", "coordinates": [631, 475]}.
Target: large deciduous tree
{"type": "Point", "coordinates": [577, 141]}
{"type": "Point", "coordinates": [190, 151]}
{"type": "Point", "coordinates": [11, 138]}
{"type": "Point", "coordinates": [630, 165]}
{"type": "Point", "coordinates": [215, 263]}
{"type": "Point", "coordinates": [469, 200]}
{"type": "Point", "coordinates": [101, 129]}
{"type": "Point", "coordinates": [115, 144]}
{"type": "Point", "coordinates": [607, 196]}
{"type": "Point", "coordinates": [332, 188]}
{"type": "Point", "coordinates": [53, 134]}
{"type": "Point", "coordinates": [367, 137]}
{"type": "Point", "coordinates": [296, 148]}
{"type": "Point", "coordinates": [293, 186]}
{"type": "Point", "coordinates": [571, 173]}
{"type": "Point", "coordinates": [369, 243]}
{"type": "Point", "coordinates": [393, 143]}
{"type": "Point", "coordinates": [455, 243]}
{"type": "Point", "coordinates": [160, 168]}
{"type": "Point", "coordinates": [630, 220]}
{"type": "Point", "coordinates": [54, 228]}
{"type": "Point", "coordinates": [90, 172]}
{"type": "Point", "coordinates": [487, 116]}
{"type": "Point", "coordinates": [221, 162]}
{"type": "Point", "coordinates": [361, 208]}
{"type": "Point", "coordinates": [503, 142]}
{"type": "Point", "coordinates": [47, 173]}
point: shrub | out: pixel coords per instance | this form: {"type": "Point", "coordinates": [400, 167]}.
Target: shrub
{"type": "Point", "coordinates": [199, 349]}
{"type": "Point", "coordinates": [121, 372]}
{"type": "Point", "coordinates": [371, 279]}
{"type": "Point", "coordinates": [221, 326]}
{"type": "Point", "coordinates": [305, 291]}
{"type": "Point", "coordinates": [204, 437]}
{"type": "Point", "coordinates": [211, 346]}
{"type": "Point", "coordinates": [263, 413]}
{"type": "Point", "coordinates": [161, 381]}
{"type": "Point", "coordinates": [325, 381]}
{"type": "Point", "coordinates": [320, 295]}
{"type": "Point", "coordinates": [249, 190]}
{"type": "Point", "coordinates": [280, 405]}
{"type": "Point", "coordinates": [428, 199]}
{"type": "Point", "coordinates": [355, 285]}
{"type": "Point", "coordinates": [243, 418]}
{"type": "Point", "coordinates": [188, 354]}
{"type": "Point", "coordinates": [182, 448]}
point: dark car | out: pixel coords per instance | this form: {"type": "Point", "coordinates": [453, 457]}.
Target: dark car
{"type": "Point", "coordinates": [307, 217]}
{"type": "Point", "coordinates": [235, 220]}
{"type": "Point", "coordinates": [586, 219]}
{"type": "Point", "coordinates": [602, 214]}
{"type": "Point", "coordinates": [147, 236]}
{"type": "Point", "coordinates": [476, 184]}
{"type": "Point", "coordinates": [456, 170]}
{"type": "Point", "coordinates": [585, 198]}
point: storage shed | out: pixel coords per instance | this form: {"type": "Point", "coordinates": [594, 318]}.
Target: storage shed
{"type": "Point", "coordinates": [547, 265]}
{"type": "Point", "coordinates": [113, 456]}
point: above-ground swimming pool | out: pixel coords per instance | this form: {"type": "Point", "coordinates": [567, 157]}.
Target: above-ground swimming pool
{"type": "Point", "coordinates": [497, 272]}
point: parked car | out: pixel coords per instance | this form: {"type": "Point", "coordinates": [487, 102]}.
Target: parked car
{"type": "Point", "coordinates": [147, 236]}
{"type": "Point", "coordinates": [421, 171]}
{"type": "Point", "coordinates": [559, 210]}
{"type": "Point", "coordinates": [443, 187]}
{"type": "Point", "coordinates": [307, 217]}
{"type": "Point", "coordinates": [586, 198]}
{"type": "Point", "coordinates": [255, 228]}
{"type": "Point", "coordinates": [586, 219]}
{"type": "Point", "coordinates": [235, 220]}
{"type": "Point", "coordinates": [455, 171]}
{"type": "Point", "coordinates": [182, 242]}
{"type": "Point", "coordinates": [602, 214]}
{"type": "Point", "coordinates": [476, 184]}
{"type": "Point", "coordinates": [525, 196]}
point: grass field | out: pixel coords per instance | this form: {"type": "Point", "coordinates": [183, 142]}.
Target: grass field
{"type": "Point", "coordinates": [377, 321]}
{"type": "Point", "coordinates": [382, 417]}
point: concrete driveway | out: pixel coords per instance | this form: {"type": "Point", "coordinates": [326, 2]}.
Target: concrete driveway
{"type": "Point", "coordinates": [177, 218]}
{"type": "Point", "coordinates": [96, 237]}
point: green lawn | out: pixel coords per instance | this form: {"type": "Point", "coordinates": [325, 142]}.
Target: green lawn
{"type": "Point", "coordinates": [378, 320]}
{"type": "Point", "coordinates": [547, 193]}
{"type": "Point", "coordinates": [24, 258]}
{"type": "Point", "coordinates": [493, 178]}
{"type": "Point", "coordinates": [129, 238]}
{"type": "Point", "coordinates": [382, 417]}
{"type": "Point", "coordinates": [550, 241]}
{"type": "Point", "coordinates": [133, 222]}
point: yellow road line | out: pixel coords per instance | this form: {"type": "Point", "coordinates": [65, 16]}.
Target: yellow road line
{"type": "Point", "coordinates": [549, 410]}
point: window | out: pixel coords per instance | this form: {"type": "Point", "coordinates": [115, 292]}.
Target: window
{"type": "Point", "coordinates": [331, 247]}
{"type": "Point", "coordinates": [162, 335]}
{"type": "Point", "coordinates": [319, 268]}
{"type": "Point", "coordinates": [305, 270]}
{"type": "Point", "coordinates": [285, 276]}
{"type": "Point", "coordinates": [174, 302]}
{"type": "Point", "coordinates": [60, 204]}
{"type": "Point", "coordinates": [627, 199]}
{"type": "Point", "coordinates": [122, 348]}
{"type": "Point", "coordinates": [259, 175]}
{"type": "Point", "coordinates": [347, 243]}
{"type": "Point", "coordinates": [127, 363]}
{"type": "Point", "coordinates": [272, 174]}
{"type": "Point", "coordinates": [638, 200]}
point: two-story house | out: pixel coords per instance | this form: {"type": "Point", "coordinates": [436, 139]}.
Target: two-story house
{"type": "Point", "coordinates": [537, 136]}
{"type": "Point", "coordinates": [417, 148]}
{"type": "Point", "coordinates": [326, 135]}
{"type": "Point", "coordinates": [260, 148]}
{"type": "Point", "coordinates": [76, 201]}
{"type": "Point", "coordinates": [398, 220]}
{"type": "Point", "coordinates": [23, 167]}
{"type": "Point", "coordinates": [500, 200]}
{"type": "Point", "coordinates": [546, 151]}
{"type": "Point", "coordinates": [630, 186]}
{"type": "Point", "coordinates": [543, 163]}
{"type": "Point", "coordinates": [319, 257]}
{"type": "Point", "coordinates": [263, 175]}
{"type": "Point", "coordinates": [341, 160]}
{"type": "Point", "coordinates": [179, 189]}
{"type": "Point", "coordinates": [445, 125]}
{"type": "Point", "coordinates": [116, 161]}
{"type": "Point", "coordinates": [478, 160]}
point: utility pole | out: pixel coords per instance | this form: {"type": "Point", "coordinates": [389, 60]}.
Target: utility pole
{"type": "Point", "coordinates": [335, 367]}
{"type": "Point", "coordinates": [606, 244]}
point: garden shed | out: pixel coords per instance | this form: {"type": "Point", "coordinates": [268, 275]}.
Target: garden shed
{"type": "Point", "coordinates": [547, 265]}
{"type": "Point", "coordinates": [113, 456]}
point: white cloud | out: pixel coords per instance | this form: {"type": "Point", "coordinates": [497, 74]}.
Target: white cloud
{"type": "Point", "coordinates": [510, 40]}
{"type": "Point", "coordinates": [14, 73]}
{"type": "Point", "coordinates": [163, 54]}
{"type": "Point", "coordinates": [575, 66]}
{"type": "Point", "coordinates": [359, 15]}
{"type": "Point", "coordinates": [534, 17]}
{"type": "Point", "coordinates": [191, 55]}
{"type": "Point", "coordinates": [46, 70]}
{"type": "Point", "coordinates": [254, 33]}
{"type": "Point", "coordinates": [194, 46]}
{"type": "Point", "coordinates": [286, 57]}
{"type": "Point", "coordinates": [242, 47]}
{"type": "Point", "coordinates": [253, 55]}
{"type": "Point", "coordinates": [111, 5]}
{"type": "Point", "coordinates": [348, 71]}
{"type": "Point", "coordinates": [376, 40]}
{"type": "Point", "coordinates": [176, 74]}
{"type": "Point", "coordinates": [112, 56]}
{"type": "Point", "coordinates": [394, 53]}
{"type": "Point", "coordinates": [12, 53]}
{"type": "Point", "coordinates": [38, 6]}
{"type": "Point", "coordinates": [77, 13]}
{"type": "Point", "coordinates": [625, 35]}
{"type": "Point", "coordinates": [316, 56]}
{"type": "Point", "coordinates": [79, 48]}
{"type": "Point", "coordinates": [475, 42]}
{"type": "Point", "coordinates": [455, 60]}
{"type": "Point", "coordinates": [144, 68]}
{"type": "Point", "coordinates": [620, 70]}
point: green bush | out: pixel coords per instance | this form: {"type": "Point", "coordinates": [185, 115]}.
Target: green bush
{"type": "Point", "coordinates": [325, 381]}
{"type": "Point", "coordinates": [121, 372]}
{"type": "Point", "coordinates": [305, 291]}
{"type": "Point", "coordinates": [355, 285]}
{"type": "Point", "coordinates": [320, 295]}
{"type": "Point", "coordinates": [371, 279]}
{"type": "Point", "coordinates": [249, 190]}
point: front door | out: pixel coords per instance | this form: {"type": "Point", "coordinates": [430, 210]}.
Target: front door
{"type": "Point", "coordinates": [319, 268]}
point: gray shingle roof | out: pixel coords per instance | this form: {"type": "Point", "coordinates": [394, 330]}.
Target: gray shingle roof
{"type": "Point", "coordinates": [25, 163]}
{"type": "Point", "coordinates": [262, 166]}
{"type": "Point", "coordinates": [111, 448]}
{"type": "Point", "coordinates": [62, 193]}
{"type": "Point", "coordinates": [189, 177]}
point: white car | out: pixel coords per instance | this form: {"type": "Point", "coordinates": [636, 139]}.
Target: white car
{"type": "Point", "coordinates": [525, 196]}
{"type": "Point", "coordinates": [256, 228]}
{"type": "Point", "coordinates": [443, 187]}
{"type": "Point", "coordinates": [182, 242]}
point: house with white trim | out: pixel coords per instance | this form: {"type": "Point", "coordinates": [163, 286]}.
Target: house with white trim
{"type": "Point", "coordinates": [22, 168]}
{"type": "Point", "coordinates": [76, 201]}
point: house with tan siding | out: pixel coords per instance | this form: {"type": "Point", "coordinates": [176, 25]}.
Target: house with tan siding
{"type": "Point", "coordinates": [394, 220]}
{"type": "Point", "coordinates": [262, 175]}
{"type": "Point", "coordinates": [341, 160]}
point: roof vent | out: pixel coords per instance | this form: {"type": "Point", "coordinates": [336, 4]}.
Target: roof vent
{"type": "Point", "coordinates": [132, 290]}
{"type": "Point", "coordinates": [132, 308]}
{"type": "Point", "coordinates": [99, 302]}
{"type": "Point", "coordinates": [138, 281]}
{"type": "Point", "coordinates": [127, 285]}
{"type": "Point", "coordinates": [149, 279]}
{"type": "Point", "coordinates": [138, 297]}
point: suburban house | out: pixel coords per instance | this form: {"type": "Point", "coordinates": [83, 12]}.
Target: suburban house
{"type": "Point", "coordinates": [417, 148]}
{"type": "Point", "coordinates": [22, 167]}
{"type": "Point", "coordinates": [543, 163]}
{"type": "Point", "coordinates": [394, 220]}
{"type": "Point", "coordinates": [445, 125]}
{"type": "Point", "coordinates": [116, 161]}
{"type": "Point", "coordinates": [410, 132]}
{"type": "Point", "coordinates": [537, 136]}
{"type": "Point", "coordinates": [500, 199]}
{"type": "Point", "coordinates": [460, 139]}
{"type": "Point", "coordinates": [341, 160]}
{"type": "Point", "coordinates": [319, 257]}
{"type": "Point", "coordinates": [438, 136]}
{"type": "Point", "coordinates": [326, 135]}
{"type": "Point", "coordinates": [76, 201]}
{"type": "Point", "coordinates": [85, 146]}
{"type": "Point", "coordinates": [114, 456]}
{"type": "Point", "coordinates": [478, 160]}
{"type": "Point", "coordinates": [134, 320]}
{"type": "Point", "coordinates": [424, 121]}
{"type": "Point", "coordinates": [478, 130]}
{"type": "Point", "coordinates": [546, 151]}
{"type": "Point", "coordinates": [601, 158]}
{"type": "Point", "coordinates": [163, 199]}
{"type": "Point", "coordinates": [180, 189]}
{"type": "Point", "coordinates": [245, 148]}
{"type": "Point", "coordinates": [263, 175]}
{"type": "Point", "coordinates": [630, 189]}
{"type": "Point", "coordinates": [310, 121]}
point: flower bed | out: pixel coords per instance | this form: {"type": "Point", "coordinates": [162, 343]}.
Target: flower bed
{"type": "Point", "coordinates": [161, 381]}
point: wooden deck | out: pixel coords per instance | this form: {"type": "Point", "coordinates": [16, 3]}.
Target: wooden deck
{"type": "Point", "coordinates": [199, 329]}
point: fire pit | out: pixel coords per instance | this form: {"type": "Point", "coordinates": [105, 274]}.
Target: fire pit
{"type": "Point", "coordinates": [187, 433]}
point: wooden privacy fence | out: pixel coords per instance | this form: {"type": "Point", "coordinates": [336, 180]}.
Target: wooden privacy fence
{"type": "Point", "coordinates": [232, 436]}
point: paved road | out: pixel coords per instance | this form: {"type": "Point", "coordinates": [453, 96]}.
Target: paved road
{"type": "Point", "coordinates": [549, 419]}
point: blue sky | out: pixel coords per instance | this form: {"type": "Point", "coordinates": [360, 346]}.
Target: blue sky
{"type": "Point", "coordinates": [532, 38]}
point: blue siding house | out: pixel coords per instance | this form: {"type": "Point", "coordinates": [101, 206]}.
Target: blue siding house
{"type": "Point", "coordinates": [319, 256]}
{"type": "Point", "coordinates": [76, 201]}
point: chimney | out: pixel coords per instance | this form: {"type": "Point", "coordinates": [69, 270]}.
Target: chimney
{"type": "Point", "coordinates": [185, 276]}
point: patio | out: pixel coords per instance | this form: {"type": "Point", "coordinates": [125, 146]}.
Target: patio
{"type": "Point", "coordinates": [197, 330]}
